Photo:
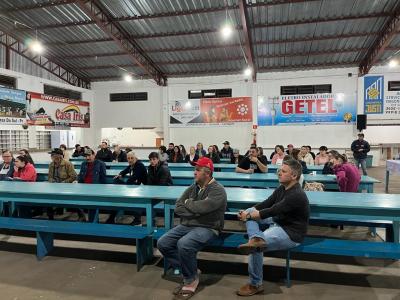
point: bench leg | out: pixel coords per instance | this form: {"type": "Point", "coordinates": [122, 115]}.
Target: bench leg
{"type": "Point", "coordinates": [288, 269]}
{"type": "Point", "coordinates": [144, 251]}
{"type": "Point", "coordinates": [93, 215]}
{"type": "Point", "coordinates": [44, 245]}
{"type": "Point", "coordinates": [389, 235]}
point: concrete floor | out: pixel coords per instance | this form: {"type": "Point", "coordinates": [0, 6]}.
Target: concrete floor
{"type": "Point", "coordinates": [93, 270]}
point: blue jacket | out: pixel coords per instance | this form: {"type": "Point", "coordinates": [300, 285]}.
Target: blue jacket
{"type": "Point", "coordinates": [99, 172]}
{"type": "Point", "coordinates": [10, 172]}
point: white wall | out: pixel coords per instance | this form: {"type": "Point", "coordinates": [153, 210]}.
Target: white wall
{"type": "Point", "coordinates": [131, 137]}
{"type": "Point", "coordinates": [127, 114]}
{"type": "Point", "coordinates": [36, 84]}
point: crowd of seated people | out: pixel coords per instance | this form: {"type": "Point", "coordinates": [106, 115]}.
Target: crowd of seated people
{"type": "Point", "coordinates": [93, 168]}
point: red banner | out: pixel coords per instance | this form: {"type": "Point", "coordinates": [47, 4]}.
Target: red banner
{"type": "Point", "coordinates": [226, 110]}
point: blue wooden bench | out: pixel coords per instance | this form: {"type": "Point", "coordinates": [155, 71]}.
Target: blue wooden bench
{"type": "Point", "coordinates": [381, 250]}
{"type": "Point", "coordinates": [45, 234]}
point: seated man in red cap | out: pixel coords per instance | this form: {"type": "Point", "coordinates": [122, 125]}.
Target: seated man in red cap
{"type": "Point", "coordinates": [201, 209]}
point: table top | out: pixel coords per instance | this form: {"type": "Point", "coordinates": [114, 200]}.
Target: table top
{"type": "Point", "coordinates": [393, 166]}
{"type": "Point", "coordinates": [125, 193]}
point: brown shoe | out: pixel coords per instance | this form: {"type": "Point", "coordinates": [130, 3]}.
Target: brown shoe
{"type": "Point", "coordinates": [253, 245]}
{"type": "Point", "coordinates": [250, 290]}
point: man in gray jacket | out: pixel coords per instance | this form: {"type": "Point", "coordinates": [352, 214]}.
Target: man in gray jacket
{"type": "Point", "coordinates": [201, 209]}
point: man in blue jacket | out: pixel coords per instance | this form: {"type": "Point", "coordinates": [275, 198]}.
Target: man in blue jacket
{"type": "Point", "coordinates": [92, 170]}
{"type": "Point", "coordinates": [360, 148]}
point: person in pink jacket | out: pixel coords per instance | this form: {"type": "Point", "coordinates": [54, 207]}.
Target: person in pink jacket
{"type": "Point", "coordinates": [347, 175]}
{"type": "Point", "coordinates": [277, 159]}
{"type": "Point", "coordinates": [23, 170]}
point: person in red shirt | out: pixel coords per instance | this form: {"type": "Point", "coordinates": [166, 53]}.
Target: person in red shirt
{"type": "Point", "coordinates": [23, 170]}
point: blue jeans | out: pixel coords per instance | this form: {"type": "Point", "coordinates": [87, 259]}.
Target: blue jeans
{"type": "Point", "coordinates": [180, 245]}
{"type": "Point", "coordinates": [276, 239]}
{"type": "Point", "coordinates": [363, 163]}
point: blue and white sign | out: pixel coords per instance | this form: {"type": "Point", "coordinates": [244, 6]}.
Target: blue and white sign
{"type": "Point", "coordinates": [308, 109]}
{"type": "Point", "coordinates": [12, 106]}
{"type": "Point", "coordinates": [373, 94]}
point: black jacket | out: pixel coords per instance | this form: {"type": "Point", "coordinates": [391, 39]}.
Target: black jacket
{"type": "Point", "coordinates": [137, 173]}
{"type": "Point", "coordinates": [121, 157]}
{"type": "Point", "coordinates": [104, 155]}
{"type": "Point", "coordinates": [159, 175]}
{"type": "Point", "coordinates": [357, 145]}
{"type": "Point", "coordinates": [179, 158]}
{"type": "Point", "coordinates": [187, 158]}
{"type": "Point", "coordinates": [10, 171]}
{"type": "Point", "coordinates": [328, 168]}
{"type": "Point", "coordinates": [214, 157]}
{"type": "Point", "coordinates": [289, 209]}
{"type": "Point", "coordinates": [226, 153]}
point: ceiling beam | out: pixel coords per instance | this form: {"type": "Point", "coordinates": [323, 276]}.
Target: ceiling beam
{"type": "Point", "coordinates": [128, 45]}
{"type": "Point", "coordinates": [382, 42]}
{"type": "Point", "coordinates": [235, 58]}
{"type": "Point", "coordinates": [39, 5]}
{"type": "Point", "coordinates": [159, 15]}
{"type": "Point", "coordinates": [244, 18]}
{"type": "Point", "coordinates": [50, 66]}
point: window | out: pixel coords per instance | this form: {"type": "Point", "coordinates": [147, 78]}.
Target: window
{"type": "Point", "coordinates": [394, 86]}
{"type": "Point", "coordinates": [306, 89]}
{"type": "Point", "coordinates": [64, 93]}
{"type": "Point", "coordinates": [116, 97]}
{"type": "Point", "coordinates": [7, 82]}
{"type": "Point", "coordinates": [216, 93]}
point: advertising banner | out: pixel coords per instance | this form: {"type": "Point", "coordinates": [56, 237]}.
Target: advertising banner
{"type": "Point", "coordinates": [210, 111]}
{"type": "Point", "coordinates": [307, 109]}
{"type": "Point", "coordinates": [57, 112]}
{"type": "Point", "coordinates": [373, 94]}
{"type": "Point", "coordinates": [12, 106]}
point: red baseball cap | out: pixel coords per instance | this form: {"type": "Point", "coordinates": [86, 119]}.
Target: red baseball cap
{"type": "Point", "coordinates": [204, 162]}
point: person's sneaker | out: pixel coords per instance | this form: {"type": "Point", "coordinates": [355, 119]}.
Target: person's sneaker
{"type": "Point", "coordinates": [250, 290]}
{"type": "Point", "coordinates": [253, 245]}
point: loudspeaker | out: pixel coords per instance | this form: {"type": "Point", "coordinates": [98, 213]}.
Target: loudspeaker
{"type": "Point", "coordinates": [361, 122]}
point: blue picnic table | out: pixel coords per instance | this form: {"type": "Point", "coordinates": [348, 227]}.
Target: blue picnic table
{"type": "Point", "coordinates": [330, 205]}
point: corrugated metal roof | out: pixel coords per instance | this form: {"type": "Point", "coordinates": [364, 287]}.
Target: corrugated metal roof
{"type": "Point", "coordinates": [310, 41]}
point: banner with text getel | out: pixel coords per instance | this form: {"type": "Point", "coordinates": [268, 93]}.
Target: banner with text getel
{"type": "Point", "coordinates": [58, 112]}
{"type": "Point", "coordinates": [308, 109]}
{"type": "Point", "coordinates": [12, 106]}
{"type": "Point", "coordinates": [210, 111]}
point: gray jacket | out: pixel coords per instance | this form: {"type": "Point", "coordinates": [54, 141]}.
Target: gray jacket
{"type": "Point", "coordinates": [203, 207]}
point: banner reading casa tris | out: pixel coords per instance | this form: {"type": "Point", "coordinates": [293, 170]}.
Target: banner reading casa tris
{"type": "Point", "coordinates": [308, 109]}
{"type": "Point", "coordinates": [210, 111]}
{"type": "Point", "coordinates": [46, 110]}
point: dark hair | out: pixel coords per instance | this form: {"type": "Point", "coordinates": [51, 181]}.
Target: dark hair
{"type": "Point", "coordinates": [254, 147]}
{"type": "Point", "coordinates": [179, 149]}
{"type": "Point", "coordinates": [163, 149]}
{"type": "Point", "coordinates": [183, 151]}
{"type": "Point", "coordinates": [295, 166]}
{"type": "Point", "coordinates": [28, 156]}
{"type": "Point", "coordinates": [128, 150]}
{"type": "Point", "coordinates": [23, 158]}
{"type": "Point", "coordinates": [337, 155]}
{"type": "Point", "coordinates": [309, 148]}
{"type": "Point", "coordinates": [295, 154]}
{"type": "Point", "coordinates": [260, 150]}
{"type": "Point", "coordinates": [171, 144]}
{"type": "Point", "coordinates": [280, 147]}
{"type": "Point", "coordinates": [77, 145]}
{"type": "Point", "coordinates": [154, 154]}
{"type": "Point", "coordinates": [323, 148]}
{"type": "Point", "coordinates": [62, 146]}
